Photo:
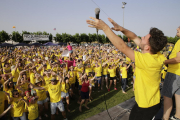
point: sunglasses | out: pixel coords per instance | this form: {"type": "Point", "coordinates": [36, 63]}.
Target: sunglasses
{"type": "Point", "coordinates": [53, 80]}
{"type": "Point", "coordinates": [16, 94]}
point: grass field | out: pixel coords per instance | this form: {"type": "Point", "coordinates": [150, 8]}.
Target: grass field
{"type": "Point", "coordinates": [97, 105]}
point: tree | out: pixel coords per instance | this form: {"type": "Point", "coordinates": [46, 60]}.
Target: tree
{"type": "Point", "coordinates": [125, 38]}
{"type": "Point", "coordinates": [120, 36]}
{"type": "Point", "coordinates": [3, 36]}
{"type": "Point", "coordinates": [59, 37]}
{"type": "Point", "coordinates": [17, 37]}
{"type": "Point", "coordinates": [84, 37]}
{"type": "Point", "coordinates": [103, 39]}
{"type": "Point", "coordinates": [77, 38]}
{"type": "Point", "coordinates": [107, 40]}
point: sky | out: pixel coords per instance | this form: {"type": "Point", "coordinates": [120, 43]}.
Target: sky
{"type": "Point", "coordinates": [69, 16]}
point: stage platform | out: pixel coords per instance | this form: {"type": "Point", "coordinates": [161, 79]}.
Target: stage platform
{"type": "Point", "coordinates": [122, 112]}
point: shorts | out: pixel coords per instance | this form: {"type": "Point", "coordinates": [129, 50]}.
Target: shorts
{"type": "Point", "coordinates": [58, 105]}
{"type": "Point", "coordinates": [171, 85]}
{"type": "Point", "coordinates": [90, 85]}
{"type": "Point", "coordinates": [23, 117]}
{"type": "Point", "coordinates": [70, 51]}
{"type": "Point", "coordinates": [105, 76]}
{"type": "Point", "coordinates": [80, 86]}
{"type": "Point", "coordinates": [98, 80]}
{"type": "Point", "coordinates": [64, 95]}
{"type": "Point", "coordinates": [42, 101]}
{"type": "Point", "coordinates": [84, 95]}
{"type": "Point", "coordinates": [112, 78]}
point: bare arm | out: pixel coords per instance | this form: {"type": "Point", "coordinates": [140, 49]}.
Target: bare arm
{"type": "Point", "coordinates": [6, 111]}
{"type": "Point", "coordinates": [116, 40]}
{"type": "Point", "coordinates": [173, 60]}
{"type": "Point", "coordinates": [128, 65]}
{"type": "Point", "coordinates": [127, 33]}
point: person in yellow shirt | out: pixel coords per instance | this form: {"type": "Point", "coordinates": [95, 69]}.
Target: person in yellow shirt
{"type": "Point", "coordinates": [64, 91]}
{"type": "Point", "coordinates": [148, 65]}
{"type": "Point", "coordinates": [112, 72]}
{"type": "Point", "coordinates": [105, 74]}
{"type": "Point", "coordinates": [98, 70]}
{"type": "Point", "coordinates": [17, 112]}
{"type": "Point", "coordinates": [3, 104]}
{"type": "Point", "coordinates": [124, 76]}
{"type": "Point", "coordinates": [42, 97]}
{"type": "Point", "coordinates": [171, 84]}
{"type": "Point", "coordinates": [54, 90]}
{"type": "Point", "coordinates": [6, 68]}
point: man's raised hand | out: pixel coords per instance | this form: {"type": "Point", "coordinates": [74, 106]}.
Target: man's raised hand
{"type": "Point", "coordinates": [97, 23]}
{"type": "Point", "coordinates": [116, 26]}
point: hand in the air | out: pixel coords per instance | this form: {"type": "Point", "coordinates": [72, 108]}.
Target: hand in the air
{"type": "Point", "coordinates": [116, 26]}
{"type": "Point", "coordinates": [97, 23]}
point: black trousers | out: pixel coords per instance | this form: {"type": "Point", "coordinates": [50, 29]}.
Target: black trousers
{"type": "Point", "coordinates": [138, 113]}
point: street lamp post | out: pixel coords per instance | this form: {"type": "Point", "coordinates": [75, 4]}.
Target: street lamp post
{"type": "Point", "coordinates": [124, 3]}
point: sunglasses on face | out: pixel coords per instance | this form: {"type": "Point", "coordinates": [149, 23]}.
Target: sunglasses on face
{"type": "Point", "coordinates": [16, 94]}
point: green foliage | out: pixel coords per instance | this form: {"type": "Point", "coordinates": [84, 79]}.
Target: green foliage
{"type": "Point", "coordinates": [64, 37]}
{"type": "Point", "coordinates": [125, 38]}
{"type": "Point", "coordinates": [17, 37]}
{"type": "Point", "coordinates": [173, 40]}
{"type": "Point", "coordinates": [3, 36]}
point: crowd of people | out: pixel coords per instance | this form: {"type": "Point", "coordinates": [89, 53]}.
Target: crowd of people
{"type": "Point", "coordinates": [37, 79]}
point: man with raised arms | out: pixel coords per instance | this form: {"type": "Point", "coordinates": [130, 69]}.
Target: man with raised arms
{"type": "Point", "coordinates": [148, 65]}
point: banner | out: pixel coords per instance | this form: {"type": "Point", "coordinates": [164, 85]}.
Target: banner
{"type": "Point", "coordinates": [30, 37]}
{"type": "Point", "coordinates": [65, 53]}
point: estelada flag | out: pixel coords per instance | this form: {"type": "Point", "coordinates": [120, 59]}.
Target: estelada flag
{"type": "Point", "coordinates": [13, 27]}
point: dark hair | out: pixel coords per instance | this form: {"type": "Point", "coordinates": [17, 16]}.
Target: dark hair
{"type": "Point", "coordinates": [157, 40]}
{"type": "Point", "coordinates": [14, 91]}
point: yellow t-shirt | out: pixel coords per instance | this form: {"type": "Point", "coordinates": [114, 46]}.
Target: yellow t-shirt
{"type": "Point", "coordinates": [41, 94]}
{"type": "Point", "coordinates": [15, 74]}
{"type": "Point", "coordinates": [47, 80]}
{"type": "Point", "coordinates": [128, 60]}
{"type": "Point", "coordinates": [25, 86]}
{"type": "Point", "coordinates": [8, 69]}
{"type": "Point", "coordinates": [3, 97]}
{"type": "Point", "coordinates": [32, 78]}
{"type": "Point", "coordinates": [64, 87]}
{"type": "Point", "coordinates": [112, 72]}
{"type": "Point", "coordinates": [105, 70]}
{"type": "Point", "coordinates": [148, 77]}
{"type": "Point", "coordinates": [33, 111]}
{"type": "Point", "coordinates": [124, 72]}
{"type": "Point", "coordinates": [87, 70]}
{"type": "Point", "coordinates": [174, 68]}
{"type": "Point", "coordinates": [18, 107]}
{"type": "Point", "coordinates": [98, 70]}
{"type": "Point", "coordinates": [54, 92]}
